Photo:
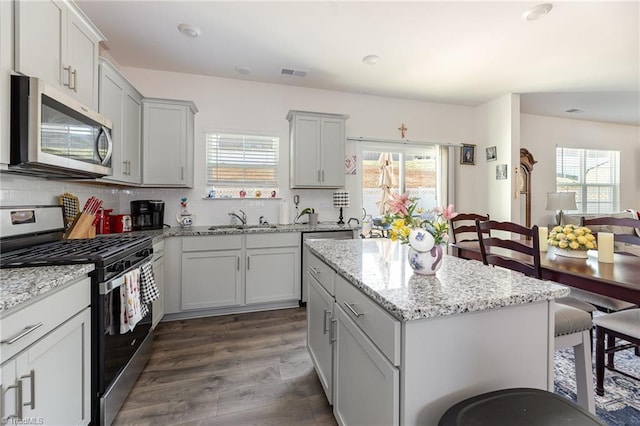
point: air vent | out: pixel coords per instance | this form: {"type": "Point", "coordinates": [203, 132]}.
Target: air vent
{"type": "Point", "coordinates": [293, 73]}
{"type": "Point", "coordinates": [573, 111]}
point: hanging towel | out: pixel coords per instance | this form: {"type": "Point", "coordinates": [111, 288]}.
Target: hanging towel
{"type": "Point", "coordinates": [148, 288]}
{"type": "Point", "coordinates": [130, 305]}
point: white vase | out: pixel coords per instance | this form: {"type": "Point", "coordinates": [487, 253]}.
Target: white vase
{"type": "Point", "coordinates": [425, 262]}
{"type": "Point", "coordinates": [578, 254]}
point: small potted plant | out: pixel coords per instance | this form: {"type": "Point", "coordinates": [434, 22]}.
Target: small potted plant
{"type": "Point", "coordinates": [313, 216]}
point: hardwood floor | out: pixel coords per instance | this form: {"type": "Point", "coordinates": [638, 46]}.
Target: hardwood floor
{"type": "Point", "coordinates": [245, 369]}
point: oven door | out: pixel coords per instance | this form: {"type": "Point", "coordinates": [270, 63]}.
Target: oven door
{"type": "Point", "coordinates": [115, 349]}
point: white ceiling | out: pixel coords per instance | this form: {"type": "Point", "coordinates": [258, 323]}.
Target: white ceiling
{"type": "Point", "coordinates": [583, 54]}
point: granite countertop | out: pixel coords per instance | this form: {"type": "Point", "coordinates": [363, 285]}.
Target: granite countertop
{"type": "Point", "coordinates": [379, 268]}
{"type": "Point", "coordinates": [255, 229]}
{"type": "Point", "coordinates": [22, 285]}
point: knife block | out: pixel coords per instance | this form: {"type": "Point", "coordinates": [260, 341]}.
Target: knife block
{"type": "Point", "coordinates": [82, 227]}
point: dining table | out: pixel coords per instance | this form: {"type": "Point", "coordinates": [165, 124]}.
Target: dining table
{"type": "Point", "coordinates": [619, 279]}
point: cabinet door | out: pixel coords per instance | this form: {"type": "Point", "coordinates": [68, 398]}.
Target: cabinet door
{"type": "Point", "coordinates": [59, 364]}
{"type": "Point", "coordinates": [319, 344]}
{"type": "Point", "coordinates": [332, 152]}
{"type": "Point", "coordinates": [211, 279]}
{"type": "Point", "coordinates": [82, 56]}
{"type": "Point", "coordinates": [273, 275]}
{"type": "Point", "coordinates": [158, 305]}
{"type": "Point", "coordinates": [366, 384]}
{"type": "Point", "coordinates": [131, 135]}
{"type": "Point", "coordinates": [306, 146]}
{"type": "Point", "coordinates": [6, 66]}
{"type": "Point", "coordinates": [40, 37]}
{"type": "Point", "coordinates": [112, 94]}
{"type": "Point", "coordinates": [9, 408]}
{"type": "Point", "coordinates": [164, 144]}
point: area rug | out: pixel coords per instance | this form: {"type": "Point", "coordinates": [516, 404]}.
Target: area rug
{"type": "Point", "coordinates": [620, 404]}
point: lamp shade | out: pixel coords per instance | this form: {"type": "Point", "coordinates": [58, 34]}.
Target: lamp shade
{"type": "Point", "coordinates": [561, 201]}
{"type": "Point", "coordinates": [341, 199]}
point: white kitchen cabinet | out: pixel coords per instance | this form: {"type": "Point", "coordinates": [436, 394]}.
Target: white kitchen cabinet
{"type": "Point", "coordinates": [56, 42]}
{"type": "Point", "coordinates": [317, 147]}
{"type": "Point", "coordinates": [272, 267]}
{"type": "Point", "coordinates": [121, 103]}
{"type": "Point", "coordinates": [320, 329]}
{"type": "Point", "coordinates": [48, 369]}
{"type": "Point", "coordinates": [6, 65]}
{"type": "Point", "coordinates": [211, 271]}
{"type": "Point", "coordinates": [157, 311]}
{"type": "Point", "coordinates": [167, 142]}
{"type": "Point", "coordinates": [367, 388]}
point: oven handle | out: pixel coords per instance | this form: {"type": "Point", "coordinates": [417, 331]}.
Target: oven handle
{"type": "Point", "coordinates": [109, 286]}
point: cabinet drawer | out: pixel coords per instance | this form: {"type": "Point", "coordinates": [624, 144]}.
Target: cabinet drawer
{"type": "Point", "coordinates": [207, 243]}
{"type": "Point", "coordinates": [273, 239]}
{"type": "Point", "coordinates": [378, 325]}
{"type": "Point", "coordinates": [322, 272]}
{"type": "Point", "coordinates": [51, 311]}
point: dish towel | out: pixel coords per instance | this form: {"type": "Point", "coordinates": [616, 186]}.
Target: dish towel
{"type": "Point", "coordinates": [148, 287]}
{"type": "Point", "coordinates": [130, 306]}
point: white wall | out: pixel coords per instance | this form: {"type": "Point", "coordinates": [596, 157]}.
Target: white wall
{"type": "Point", "coordinates": [542, 134]}
{"type": "Point", "coordinates": [229, 104]}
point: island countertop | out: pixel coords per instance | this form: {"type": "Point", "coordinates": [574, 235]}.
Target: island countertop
{"type": "Point", "coordinates": [379, 268]}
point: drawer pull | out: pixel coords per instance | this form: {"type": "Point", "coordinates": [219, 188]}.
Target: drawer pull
{"type": "Point", "coordinates": [26, 331]}
{"type": "Point", "coordinates": [332, 332]}
{"type": "Point", "coordinates": [17, 402]}
{"type": "Point", "coordinates": [32, 385]}
{"type": "Point", "coordinates": [314, 270]}
{"type": "Point", "coordinates": [324, 321]}
{"type": "Point", "coordinates": [353, 311]}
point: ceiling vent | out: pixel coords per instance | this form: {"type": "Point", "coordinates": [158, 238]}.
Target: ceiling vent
{"type": "Point", "coordinates": [293, 73]}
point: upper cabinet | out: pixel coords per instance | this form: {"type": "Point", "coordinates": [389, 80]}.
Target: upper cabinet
{"type": "Point", "coordinates": [6, 65]}
{"type": "Point", "coordinates": [167, 142]}
{"type": "Point", "coordinates": [56, 42]}
{"type": "Point", "coordinates": [121, 103]}
{"type": "Point", "coordinates": [317, 149]}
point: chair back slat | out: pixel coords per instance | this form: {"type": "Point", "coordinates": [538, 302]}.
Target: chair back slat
{"type": "Point", "coordinates": [625, 222]}
{"type": "Point", "coordinates": [463, 226]}
{"type": "Point", "coordinates": [518, 254]}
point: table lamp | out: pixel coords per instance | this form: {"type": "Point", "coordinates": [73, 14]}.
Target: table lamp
{"type": "Point", "coordinates": [341, 199]}
{"type": "Point", "coordinates": [561, 201]}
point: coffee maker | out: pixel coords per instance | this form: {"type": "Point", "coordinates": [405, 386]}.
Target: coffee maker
{"type": "Point", "coordinates": [147, 214]}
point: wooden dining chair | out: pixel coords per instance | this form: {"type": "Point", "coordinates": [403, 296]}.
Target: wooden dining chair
{"type": "Point", "coordinates": [512, 250]}
{"type": "Point", "coordinates": [463, 226]}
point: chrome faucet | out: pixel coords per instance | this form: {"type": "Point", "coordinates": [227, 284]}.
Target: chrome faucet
{"type": "Point", "coordinates": [243, 219]}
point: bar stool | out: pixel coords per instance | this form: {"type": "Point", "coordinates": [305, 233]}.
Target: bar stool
{"type": "Point", "coordinates": [518, 406]}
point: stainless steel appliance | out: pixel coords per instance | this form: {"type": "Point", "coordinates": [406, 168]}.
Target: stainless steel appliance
{"type": "Point", "coordinates": [147, 214]}
{"type": "Point", "coordinates": [31, 237]}
{"type": "Point", "coordinates": [53, 135]}
{"type": "Point", "coordinates": [331, 235]}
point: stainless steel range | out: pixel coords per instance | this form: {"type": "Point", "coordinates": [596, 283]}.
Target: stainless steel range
{"type": "Point", "coordinates": [32, 236]}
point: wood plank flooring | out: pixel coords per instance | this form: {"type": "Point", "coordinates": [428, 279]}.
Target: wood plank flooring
{"type": "Point", "coordinates": [245, 369]}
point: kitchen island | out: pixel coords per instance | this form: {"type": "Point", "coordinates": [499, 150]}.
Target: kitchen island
{"type": "Point", "coordinates": [391, 347]}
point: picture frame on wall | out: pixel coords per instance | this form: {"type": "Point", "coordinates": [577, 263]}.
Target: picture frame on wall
{"type": "Point", "coordinates": [492, 153]}
{"type": "Point", "coordinates": [501, 172]}
{"type": "Point", "coordinates": [468, 154]}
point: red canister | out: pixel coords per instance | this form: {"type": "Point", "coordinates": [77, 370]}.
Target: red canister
{"type": "Point", "coordinates": [104, 221]}
{"type": "Point", "coordinates": [121, 223]}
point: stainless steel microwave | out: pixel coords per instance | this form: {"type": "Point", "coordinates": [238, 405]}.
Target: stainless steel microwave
{"type": "Point", "coordinates": [54, 135]}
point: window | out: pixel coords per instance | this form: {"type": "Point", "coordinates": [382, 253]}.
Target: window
{"type": "Point", "coordinates": [594, 175]}
{"type": "Point", "coordinates": [410, 169]}
{"type": "Point", "coordinates": [236, 161]}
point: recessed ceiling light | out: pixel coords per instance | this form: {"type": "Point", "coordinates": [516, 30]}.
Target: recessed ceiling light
{"type": "Point", "coordinates": [537, 12]}
{"type": "Point", "coordinates": [189, 30]}
{"type": "Point", "coordinates": [574, 111]}
{"type": "Point", "coordinates": [243, 70]}
{"type": "Point", "coordinates": [371, 59]}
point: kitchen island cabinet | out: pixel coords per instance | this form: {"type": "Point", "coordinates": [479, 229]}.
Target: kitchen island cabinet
{"type": "Point", "coordinates": [411, 346]}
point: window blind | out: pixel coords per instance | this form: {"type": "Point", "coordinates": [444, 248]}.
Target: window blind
{"type": "Point", "coordinates": [242, 160]}
{"type": "Point", "coordinates": [594, 175]}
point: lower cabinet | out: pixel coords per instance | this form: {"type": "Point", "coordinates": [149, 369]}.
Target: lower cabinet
{"type": "Point", "coordinates": [320, 333]}
{"type": "Point", "coordinates": [211, 279]}
{"type": "Point", "coordinates": [367, 388]}
{"type": "Point", "coordinates": [158, 274]}
{"type": "Point", "coordinates": [49, 381]}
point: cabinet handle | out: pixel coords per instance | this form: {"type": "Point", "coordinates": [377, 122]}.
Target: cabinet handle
{"type": "Point", "coordinates": [314, 270]}
{"type": "Point", "coordinates": [75, 80]}
{"type": "Point", "coordinates": [323, 176]}
{"type": "Point", "coordinates": [248, 262]}
{"type": "Point", "coordinates": [18, 401]}
{"type": "Point", "coordinates": [24, 332]}
{"type": "Point", "coordinates": [318, 175]}
{"type": "Point", "coordinates": [32, 382]}
{"type": "Point", "coordinates": [128, 168]}
{"type": "Point", "coordinates": [182, 172]}
{"type": "Point", "coordinates": [68, 69]}
{"type": "Point", "coordinates": [324, 322]}
{"type": "Point", "coordinates": [353, 311]}
{"type": "Point", "coordinates": [238, 262]}
{"type": "Point", "coordinates": [332, 332]}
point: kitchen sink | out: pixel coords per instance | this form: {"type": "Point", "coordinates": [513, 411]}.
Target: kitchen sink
{"type": "Point", "coordinates": [257, 226]}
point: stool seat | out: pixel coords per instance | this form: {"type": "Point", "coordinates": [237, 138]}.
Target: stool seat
{"type": "Point", "coordinates": [519, 406]}
{"type": "Point", "coordinates": [569, 320]}
{"type": "Point", "coordinates": [624, 322]}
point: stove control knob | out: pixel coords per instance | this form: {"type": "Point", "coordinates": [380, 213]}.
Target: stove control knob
{"type": "Point", "coordinates": [145, 253]}
{"type": "Point", "coordinates": [119, 267]}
